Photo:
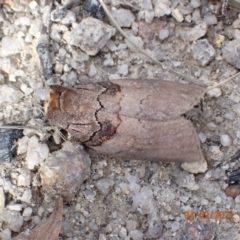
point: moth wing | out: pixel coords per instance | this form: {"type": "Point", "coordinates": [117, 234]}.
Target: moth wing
{"type": "Point", "coordinates": [174, 140]}
{"type": "Point", "coordinates": [151, 99]}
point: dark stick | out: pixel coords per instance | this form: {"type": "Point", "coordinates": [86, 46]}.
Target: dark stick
{"type": "Point", "coordinates": [43, 44]}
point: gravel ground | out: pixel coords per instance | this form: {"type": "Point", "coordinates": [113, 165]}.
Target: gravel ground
{"type": "Point", "coordinates": [104, 197]}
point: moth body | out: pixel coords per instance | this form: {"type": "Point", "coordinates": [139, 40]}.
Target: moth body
{"type": "Point", "coordinates": [133, 119]}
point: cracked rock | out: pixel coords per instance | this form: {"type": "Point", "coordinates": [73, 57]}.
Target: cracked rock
{"type": "Point", "coordinates": [91, 35]}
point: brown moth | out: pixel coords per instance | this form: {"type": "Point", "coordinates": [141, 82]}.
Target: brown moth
{"type": "Point", "coordinates": [131, 119]}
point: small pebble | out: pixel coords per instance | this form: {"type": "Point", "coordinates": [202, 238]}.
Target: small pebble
{"type": "Point", "coordinates": [92, 70]}
{"type": "Point", "coordinates": [36, 153]}
{"type": "Point", "coordinates": [27, 196]}
{"type": "Point", "coordinates": [123, 17]}
{"type": "Point", "coordinates": [104, 186]}
{"type": "Point", "coordinates": [27, 212]}
{"type": "Point", "coordinates": [13, 219]}
{"type": "Point", "coordinates": [204, 202]}
{"type": "Point", "coordinates": [218, 199]}
{"type": "Point", "coordinates": [195, 3]}
{"type": "Point", "coordinates": [123, 69]}
{"type": "Point", "coordinates": [202, 137]}
{"type": "Point", "coordinates": [203, 52]}
{"type": "Point", "coordinates": [232, 190]}
{"type": "Point", "coordinates": [163, 34]}
{"type": "Point", "coordinates": [210, 19]}
{"type": "Point", "coordinates": [15, 207]}
{"type": "Point", "coordinates": [177, 15]}
{"type": "Point", "coordinates": [136, 235]}
{"type": "Point", "coordinates": [236, 218]}
{"type": "Point", "coordinates": [225, 140]}
{"type": "Point", "coordinates": [215, 92]}
{"type": "Point", "coordinates": [6, 234]}
{"type": "Point", "coordinates": [137, 40]}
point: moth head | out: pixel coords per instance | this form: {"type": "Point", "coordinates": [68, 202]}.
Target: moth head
{"type": "Point", "coordinates": [52, 100]}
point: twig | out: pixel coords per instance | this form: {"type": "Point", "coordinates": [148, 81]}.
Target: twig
{"type": "Point", "coordinates": [43, 44]}
{"type": "Point", "coordinates": [223, 82]}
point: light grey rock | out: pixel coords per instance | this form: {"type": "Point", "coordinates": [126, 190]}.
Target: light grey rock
{"type": "Point", "coordinates": [136, 234]}
{"type": "Point", "coordinates": [202, 137]}
{"type": "Point", "coordinates": [27, 196]}
{"type": "Point", "coordinates": [163, 34]}
{"type": "Point", "coordinates": [24, 21]}
{"type": "Point", "coordinates": [236, 108]}
{"type": "Point", "coordinates": [8, 64]}
{"type": "Point", "coordinates": [123, 69]}
{"type": "Point", "coordinates": [132, 224]}
{"type": "Point", "coordinates": [203, 52]}
{"type": "Point", "coordinates": [143, 201]}
{"type": "Point", "coordinates": [215, 92]}
{"type": "Point", "coordinates": [230, 52]}
{"type": "Point", "coordinates": [9, 95]}
{"type": "Point", "coordinates": [194, 167]}
{"type": "Point", "coordinates": [92, 70]}
{"type": "Point", "coordinates": [177, 15]}
{"type": "Point", "coordinates": [197, 32]}
{"type": "Point", "coordinates": [24, 178]}
{"type": "Point", "coordinates": [104, 186]}
{"type": "Point", "coordinates": [40, 211]}
{"type": "Point", "coordinates": [10, 46]}
{"type": "Point", "coordinates": [123, 17]}
{"type": "Point", "coordinates": [186, 180]}
{"type": "Point", "coordinates": [137, 40]}
{"type": "Point", "coordinates": [27, 91]}
{"type": "Point", "coordinates": [123, 233]}
{"type": "Point", "coordinates": [69, 18]}
{"type": "Point", "coordinates": [161, 8]}
{"type": "Point", "coordinates": [27, 212]}
{"type": "Point", "coordinates": [6, 234]}
{"type": "Point", "coordinates": [155, 227]}
{"type": "Point", "coordinates": [36, 153]}
{"type": "Point", "coordinates": [13, 219]}
{"type": "Point", "coordinates": [15, 207]}
{"type": "Point", "coordinates": [196, 16]}
{"type": "Point", "coordinates": [35, 28]}
{"type": "Point", "coordinates": [91, 35]}
{"type": "Point", "coordinates": [176, 63]}
{"type": "Point", "coordinates": [225, 140]}
{"type": "Point", "coordinates": [204, 202]}
{"type": "Point", "coordinates": [210, 19]}
{"type": "Point", "coordinates": [195, 3]}
{"type": "Point", "coordinates": [145, 8]}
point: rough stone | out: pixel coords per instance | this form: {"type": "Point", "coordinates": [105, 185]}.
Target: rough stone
{"type": "Point", "coordinates": [36, 153]}
{"type": "Point", "coordinates": [203, 52]}
{"type": "Point", "coordinates": [13, 219]}
{"type": "Point", "coordinates": [137, 40]}
{"type": "Point", "coordinates": [91, 35]}
{"type": "Point", "coordinates": [161, 8]}
{"type": "Point", "coordinates": [104, 186]}
{"type": "Point", "coordinates": [230, 52]}
{"type": "Point", "coordinates": [123, 17]}
{"type": "Point", "coordinates": [197, 31]}
{"type": "Point", "coordinates": [63, 173]}
{"type": "Point", "coordinates": [10, 45]}
{"type": "Point", "coordinates": [11, 95]}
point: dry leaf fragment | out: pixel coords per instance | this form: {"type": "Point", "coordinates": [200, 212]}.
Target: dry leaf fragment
{"type": "Point", "coordinates": [49, 229]}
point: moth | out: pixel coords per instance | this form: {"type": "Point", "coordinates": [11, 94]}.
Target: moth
{"type": "Point", "coordinates": [130, 118]}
